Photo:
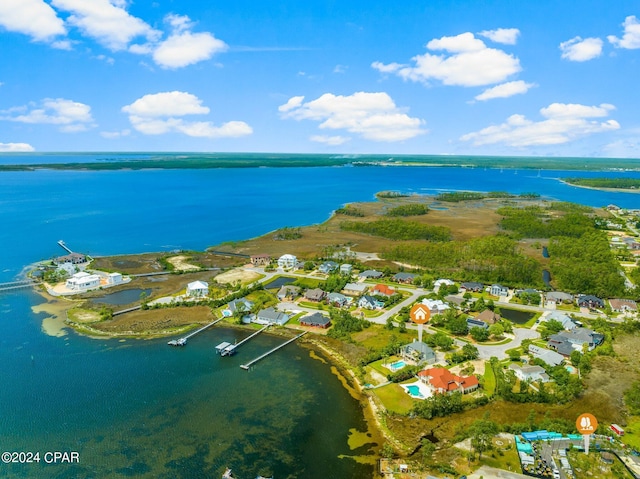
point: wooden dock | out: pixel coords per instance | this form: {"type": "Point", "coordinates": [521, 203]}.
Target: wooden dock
{"type": "Point", "coordinates": [27, 283]}
{"type": "Point", "coordinates": [230, 349]}
{"type": "Point", "coordinates": [252, 362]}
{"type": "Point", "coordinates": [64, 247]}
{"type": "Point", "coordinates": [183, 341]}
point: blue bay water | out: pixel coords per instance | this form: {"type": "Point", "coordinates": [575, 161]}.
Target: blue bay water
{"type": "Point", "coordinates": [141, 409]}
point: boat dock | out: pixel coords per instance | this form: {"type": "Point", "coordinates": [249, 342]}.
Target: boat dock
{"type": "Point", "coordinates": [183, 341]}
{"type": "Point", "coordinates": [64, 246]}
{"type": "Point", "coordinates": [27, 283]}
{"type": "Point", "coordinates": [252, 362]}
{"type": "Point", "coordinates": [227, 349]}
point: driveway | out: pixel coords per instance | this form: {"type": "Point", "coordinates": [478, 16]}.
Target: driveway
{"type": "Point", "coordinates": [499, 350]}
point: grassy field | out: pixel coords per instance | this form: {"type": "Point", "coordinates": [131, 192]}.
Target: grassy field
{"type": "Point", "coordinates": [395, 399]}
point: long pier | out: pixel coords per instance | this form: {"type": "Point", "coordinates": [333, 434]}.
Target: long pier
{"type": "Point", "coordinates": [64, 246]}
{"type": "Point", "coordinates": [26, 283]}
{"type": "Point", "coordinates": [182, 341]}
{"type": "Point", "coordinates": [252, 362]}
{"type": "Point", "coordinates": [231, 348]}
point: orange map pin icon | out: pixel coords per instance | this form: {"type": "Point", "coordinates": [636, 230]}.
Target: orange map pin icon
{"type": "Point", "coordinates": [586, 423]}
{"type": "Point", "coordinates": [420, 314]}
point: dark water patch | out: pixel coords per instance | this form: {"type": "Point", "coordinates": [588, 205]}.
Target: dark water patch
{"type": "Point", "coordinates": [126, 296]}
{"type": "Point", "coordinates": [134, 470]}
{"type": "Point", "coordinates": [516, 316]}
{"type": "Point", "coordinates": [279, 282]}
{"type": "Point", "coordinates": [546, 277]}
{"type": "Point", "coordinates": [545, 252]}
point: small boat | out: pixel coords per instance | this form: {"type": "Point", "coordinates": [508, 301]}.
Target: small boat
{"type": "Point", "coordinates": [227, 474]}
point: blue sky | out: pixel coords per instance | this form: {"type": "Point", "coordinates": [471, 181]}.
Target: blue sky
{"type": "Point", "coordinates": [466, 77]}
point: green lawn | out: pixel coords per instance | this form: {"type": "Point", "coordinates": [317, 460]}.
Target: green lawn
{"type": "Point", "coordinates": [394, 398]}
{"type": "Point", "coordinates": [503, 456]}
{"type": "Point", "coordinates": [632, 432]}
{"type": "Point", "coordinates": [489, 379]}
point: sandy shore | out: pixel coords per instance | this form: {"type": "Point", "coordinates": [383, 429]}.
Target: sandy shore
{"type": "Point", "coordinates": [612, 190]}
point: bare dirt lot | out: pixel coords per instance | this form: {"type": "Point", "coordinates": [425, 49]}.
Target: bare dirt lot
{"type": "Point", "coordinates": [238, 274]}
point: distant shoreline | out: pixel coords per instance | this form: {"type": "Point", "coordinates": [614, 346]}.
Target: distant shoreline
{"type": "Point", "coordinates": [600, 188]}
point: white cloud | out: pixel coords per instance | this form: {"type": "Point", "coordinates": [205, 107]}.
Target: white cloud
{"type": "Point", "coordinates": [186, 48]}
{"type": "Point", "coordinates": [631, 37]}
{"type": "Point", "coordinates": [581, 50]}
{"type": "Point", "coordinates": [159, 113]}
{"type": "Point", "coordinates": [563, 123]}
{"type": "Point", "coordinates": [70, 116]}
{"type": "Point", "coordinates": [469, 63]}
{"type": "Point", "coordinates": [108, 23]}
{"type": "Point", "coordinates": [16, 147]}
{"type": "Point", "coordinates": [373, 116]}
{"type": "Point", "coordinates": [31, 17]}
{"type": "Point", "coordinates": [340, 69]}
{"type": "Point", "coordinates": [505, 90]}
{"type": "Point", "coordinates": [330, 140]}
{"type": "Point", "coordinates": [508, 36]}
{"type": "Point", "coordinates": [114, 135]}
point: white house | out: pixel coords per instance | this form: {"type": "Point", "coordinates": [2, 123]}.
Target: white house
{"type": "Point", "coordinates": [436, 306]}
{"type": "Point", "coordinates": [197, 289]}
{"type": "Point", "coordinates": [83, 281]}
{"type": "Point", "coordinates": [114, 278]}
{"type": "Point", "coordinates": [287, 261]}
{"type": "Point", "coordinates": [499, 290]}
{"type": "Point", "coordinates": [530, 373]}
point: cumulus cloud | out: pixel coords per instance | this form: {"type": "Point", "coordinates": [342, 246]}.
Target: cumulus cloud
{"type": "Point", "coordinates": [159, 113]}
{"type": "Point", "coordinates": [467, 61]}
{"type": "Point", "coordinates": [31, 17]}
{"type": "Point", "coordinates": [16, 147]}
{"type": "Point", "coordinates": [373, 116]}
{"type": "Point", "coordinates": [631, 37]}
{"type": "Point", "coordinates": [114, 135]}
{"type": "Point", "coordinates": [563, 123]}
{"type": "Point", "coordinates": [508, 36]}
{"type": "Point", "coordinates": [70, 116]}
{"type": "Point", "coordinates": [505, 90]}
{"type": "Point", "coordinates": [330, 140]}
{"type": "Point", "coordinates": [581, 50]}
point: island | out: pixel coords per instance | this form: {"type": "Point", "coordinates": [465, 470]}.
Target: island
{"type": "Point", "coordinates": [533, 321]}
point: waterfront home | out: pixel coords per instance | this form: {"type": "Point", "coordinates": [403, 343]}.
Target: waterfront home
{"type": "Point", "coordinates": [623, 305]}
{"type": "Point", "coordinates": [287, 261]}
{"type": "Point", "coordinates": [260, 259]}
{"type": "Point", "coordinates": [590, 301]}
{"type": "Point", "coordinates": [550, 357]}
{"type": "Point", "coordinates": [369, 302]}
{"type": "Point", "coordinates": [83, 281]}
{"type": "Point", "coordinates": [68, 268]}
{"type": "Point", "coordinates": [488, 317]}
{"type": "Point", "coordinates": [436, 306]}
{"type": "Point", "coordinates": [404, 278]}
{"type": "Point", "coordinates": [442, 381]}
{"type": "Point", "coordinates": [562, 318]}
{"type": "Point", "coordinates": [315, 320]}
{"type": "Point", "coordinates": [499, 290]}
{"type": "Point", "coordinates": [383, 290]}
{"type": "Point", "coordinates": [71, 258]}
{"type": "Point", "coordinates": [355, 289]}
{"type": "Point", "coordinates": [271, 316]}
{"type": "Point", "coordinates": [338, 299]}
{"type": "Point", "coordinates": [530, 373]}
{"type": "Point", "coordinates": [241, 305]}
{"type": "Point", "coordinates": [328, 267]}
{"type": "Point", "coordinates": [418, 352]}
{"type": "Point", "coordinates": [288, 292]}
{"type": "Point", "coordinates": [346, 269]}
{"type": "Point", "coordinates": [114, 279]}
{"type": "Point", "coordinates": [566, 341]}
{"type": "Point", "coordinates": [371, 274]}
{"type": "Point", "coordinates": [558, 297]}
{"type": "Point", "coordinates": [472, 286]}
{"type": "Point", "coordinates": [197, 289]}
{"type": "Point", "coordinates": [315, 295]}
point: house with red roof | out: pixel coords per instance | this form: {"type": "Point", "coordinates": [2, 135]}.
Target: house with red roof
{"type": "Point", "coordinates": [442, 381]}
{"type": "Point", "coordinates": [382, 290]}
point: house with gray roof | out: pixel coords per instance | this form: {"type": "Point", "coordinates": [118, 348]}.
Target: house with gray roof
{"type": "Point", "coordinates": [472, 286]}
{"type": "Point", "coordinates": [355, 289]}
{"type": "Point", "coordinates": [288, 292]}
{"type": "Point", "coordinates": [346, 269]}
{"type": "Point", "coordinates": [418, 352]}
{"type": "Point", "coordinates": [369, 302]}
{"type": "Point", "coordinates": [338, 299]}
{"type": "Point", "coordinates": [240, 304]}
{"type": "Point", "coordinates": [558, 297]}
{"type": "Point", "coordinates": [315, 320]}
{"type": "Point", "coordinates": [328, 267]}
{"type": "Point", "coordinates": [590, 301]}
{"type": "Point", "coordinates": [315, 294]}
{"type": "Point", "coordinates": [564, 319]}
{"type": "Point", "coordinates": [474, 323]}
{"type": "Point", "coordinates": [550, 357]}
{"type": "Point", "coordinates": [499, 290]}
{"type": "Point", "coordinates": [271, 316]}
{"type": "Point", "coordinates": [575, 339]}
{"type": "Point", "coordinates": [530, 373]}
{"type": "Point", "coordinates": [405, 278]}
{"type": "Point", "coordinates": [371, 274]}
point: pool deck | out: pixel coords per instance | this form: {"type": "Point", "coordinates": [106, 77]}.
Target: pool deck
{"type": "Point", "coordinates": [423, 388]}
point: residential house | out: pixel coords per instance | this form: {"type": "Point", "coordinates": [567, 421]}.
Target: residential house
{"type": "Point", "coordinates": [489, 317]}
{"type": "Point", "coordinates": [558, 297]}
{"type": "Point", "coordinates": [436, 306]}
{"type": "Point", "coordinates": [418, 352]}
{"type": "Point", "coordinates": [564, 319]}
{"type": "Point", "coordinates": [71, 258]}
{"type": "Point", "coordinates": [383, 290]}
{"type": "Point", "coordinates": [83, 281]}
{"type": "Point", "coordinates": [338, 299]}
{"type": "Point", "coordinates": [68, 268]}
{"type": "Point", "coordinates": [499, 290]}
{"type": "Point", "coordinates": [288, 292]}
{"type": "Point", "coordinates": [197, 289]}
{"type": "Point", "coordinates": [623, 305]}
{"type": "Point", "coordinates": [241, 305]}
{"type": "Point", "coordinates": [530, 373]}
{"type": "Point", "coordinates": [369, 302]}
{"type": "Point", "coordinates": [315, 320]}
{"type": "Point", "coordinates": [328, 267]}
{"type": "Point", "coordinates": [404, 278]}
{"type": "Point", "coordinates": [355, 289]}
{"type": "Point", "coordinates": [442, 281]}
{"type": "Point", "coordinates": [472, 286]}
{"type": "Point", "coordinates": [442, 381]}
{"type": "Point", "coordinates": [315, 294]}
{"type": "Point", "coordinates": [346, 269]}
{"type": "Point", "coordinates": [371, 274]}
{"type": "Point", "coordinates": [287, 261]}
{"type": "Point", "coordinates": [575, 338]}
{"type": "Point", "coordinates": [114, 279]}
{"type": "Point", "coordinates": [271, 316]}
{"type": "Point", "coordinates": [590, 301]}
{"type": "Point", "coordinates": [260, 259]}
{"type": "Point", "coordinates": [474, 323]}
{"type": "Point", "coordinates": [550, 357]}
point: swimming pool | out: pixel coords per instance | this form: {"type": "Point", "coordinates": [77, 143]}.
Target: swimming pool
{"type": "Point", "coordinates": [397, 365]}
{"type": "Point", "coordinates": [414, 391]}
